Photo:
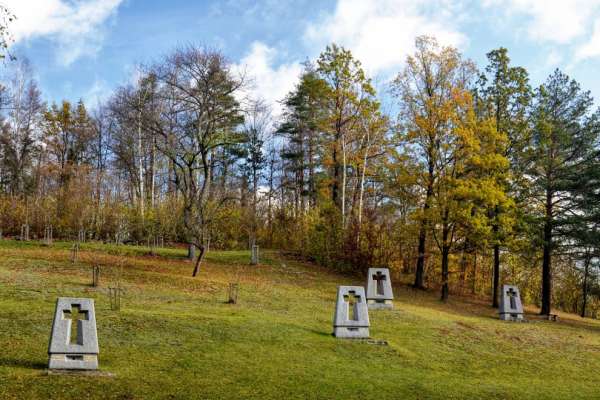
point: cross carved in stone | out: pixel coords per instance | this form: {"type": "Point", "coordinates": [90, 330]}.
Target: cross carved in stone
{"type": "Point", "coordinates": [75, 314]}
{"type": "Point", "coordinates": [512, 296]}
{"type": "Point", "coordinates": [380, 278]}
{"type": "Point", "coordinates": [352, 299]}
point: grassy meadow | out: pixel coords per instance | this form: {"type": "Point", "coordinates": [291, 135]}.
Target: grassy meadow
{"type": "Point", "coordinates": [177, 338]}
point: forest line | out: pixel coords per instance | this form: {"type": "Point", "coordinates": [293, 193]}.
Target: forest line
{"type": "Point", "coordinates": [478, 179]}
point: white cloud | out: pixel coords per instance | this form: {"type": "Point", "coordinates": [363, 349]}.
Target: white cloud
{"type": "Point", "coordinates": [591, 48]}
{"type": "Point", "coordinates": [554, 21]}
{"type": "Point", "coordinates": [267, 81]}
{"type": "Point", "coordinates": [99, 92]}
{"type": "Point", "coordinates": [74, 26]}
{"type": "Point", "coordinates": [381, 33]}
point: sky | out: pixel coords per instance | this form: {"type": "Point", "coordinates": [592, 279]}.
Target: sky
{"type": "Point", "coordinates": [86, 48]}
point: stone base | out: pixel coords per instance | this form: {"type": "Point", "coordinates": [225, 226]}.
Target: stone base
{"type": "Point", "coordinates": [344, 332]}
{"type": "Point", "coordinates": [73, 361]}
{"type": "Point", "coordinates": [511, 317]}
{"type": "Point", "coordinates": [373, 304]}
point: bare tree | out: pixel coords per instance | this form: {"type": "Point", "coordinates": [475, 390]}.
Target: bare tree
{"type": "Point", "coordinates": [20, 134]}
{"type": "Point", "coordinates": [197, 90]}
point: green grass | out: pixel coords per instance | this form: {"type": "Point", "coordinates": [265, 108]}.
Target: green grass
{"type": "Point", "coordinates": [176, 338]}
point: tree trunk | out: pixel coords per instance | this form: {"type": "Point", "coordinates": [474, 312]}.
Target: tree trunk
{"type": "Point", "coordinates": [343, 182]}
{"type": "Point", "coordinates": [153, 174]}
{"type": "Point", "coordinates": [474, 281]}
{"type": "Point", "coordinates": [191, 252]}
{"type": "Point", "coordinates": [445, 272]}
{"type": "Point", "coordinates": [140, 160]}
{"type": "Point", "coordinates": [336, 178]}
{"type": "Point", "coordinates": [420, 270]}
{"type": "Point", "coordinates": [362, 187]}
{"type": "Point", "coordinates": [547, 258]}
{"type": "Point", "coordinates": [311, 173]}
{"type": "Point", "coordinates": [585, 286]}
{"type": "Point", "coordinates": [496, 285]}
{"type": "Point", "coordinates": [198, 261]}
{"type": "Point", "coordinates": [463, 267]}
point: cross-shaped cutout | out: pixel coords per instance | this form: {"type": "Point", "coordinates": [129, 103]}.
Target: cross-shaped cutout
{"type": "Point", "coordinates": [352, 299]}
{"type": "Point", "coordinates": [380, 278]}
{"type": "Point", "coordinates": [512, 295]}
{"type": "Point", "coordinates": [76, 315]}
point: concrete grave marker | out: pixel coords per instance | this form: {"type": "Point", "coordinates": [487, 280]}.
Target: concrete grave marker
{"type": "Point", "coordinates": [74, 252]}
{"type": "Point", "coordinates": [74, 340]}
{"type": "Point", "coordinates": [511, 308]}
{"type": "Point", "coordinates": [96, 276]}
{"type": "Point", "coordinates": [351, 318]}
{"type": "Point", "coordinates": [379, 289]}
{"type": "Point", "coordinates": [254, 260]}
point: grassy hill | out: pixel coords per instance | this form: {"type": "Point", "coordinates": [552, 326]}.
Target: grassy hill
{"type": "Point", "coordinates": [176, 338]}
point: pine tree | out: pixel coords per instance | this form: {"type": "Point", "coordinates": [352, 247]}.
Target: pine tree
{"type": "Point", "coordinates": [505, 95]}
{"type": "Point", "coordinates": [564, 134]}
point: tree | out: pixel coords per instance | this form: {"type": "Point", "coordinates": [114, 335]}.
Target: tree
{"type": "Point", "coordinates": [68, 135]}
{"type": "Point", "coordinates": [425, 89]}
{"type": "Point", "coordinates": [564, 134]}
{"type": "Point", "coordinates": [349, 96]}
{"type": "Point", "coordinates": [582, 224]}
{"type": "Point", "coordinates": [134, 144]}
{"type": "Point", "coordinates": [257, 122]}
{"type": "Point", "coordinates": [505, 96]}
{"type": "Point", "coordinates": [304, 113]}
{"type": "Point", "coordinates": [372, 144]}
{"type": "Point", "coordinates": [467, 162]}
{"type": "Point", "coordinates": [6, 18]}
{"type": "Point", "coordinates": [20, 134]}
{"type": "Point", "coordinates": [198, 92]}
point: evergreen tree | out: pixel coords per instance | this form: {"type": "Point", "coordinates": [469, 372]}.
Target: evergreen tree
{"type": "Point", "coordinates": [565, 132]}
{"type": "Point", "coordinates": [505, 96]}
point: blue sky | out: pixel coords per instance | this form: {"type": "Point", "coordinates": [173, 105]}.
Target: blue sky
{"type": "Point", "coordinates": [85, 48]}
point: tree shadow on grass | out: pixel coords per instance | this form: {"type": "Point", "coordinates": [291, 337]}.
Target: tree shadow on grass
{"type": "Point", "coordinates": [30, 364]}
{"type": "Point", "coordinates": [319, 332]}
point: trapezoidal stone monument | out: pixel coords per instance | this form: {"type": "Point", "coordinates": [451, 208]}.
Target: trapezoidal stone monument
{"type": "Point", "coordinates": [379, 289]}
{"type": "Point", "coordinates": [74, 340]}
{"type": "Point", "coordinates": [511, 308]}
{"type": "Point", "coordinates": [351, 318]}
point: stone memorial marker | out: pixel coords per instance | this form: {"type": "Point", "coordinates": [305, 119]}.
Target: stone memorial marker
{"type": "Point", "coordinates": [74, 252]}
{"type": "Point", "coordinates": [74, 340]}
{"type": "Point", "coordinates": [96, 276]}
{"type": "Point", "coordinates": [511, 308]}
{"type": "Point", "coordinates": [351, 318]}
{"type": "Point", "coordinates": [379, 289]}
{"type": "Point", "coordinates": [254, 260]}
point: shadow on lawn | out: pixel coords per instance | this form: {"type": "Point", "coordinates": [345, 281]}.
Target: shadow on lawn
{"type": "Point", "coordinates": [11, 362]}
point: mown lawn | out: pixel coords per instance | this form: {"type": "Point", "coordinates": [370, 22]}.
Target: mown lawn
{"type": "Point", "coordinates": [176, 338]}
